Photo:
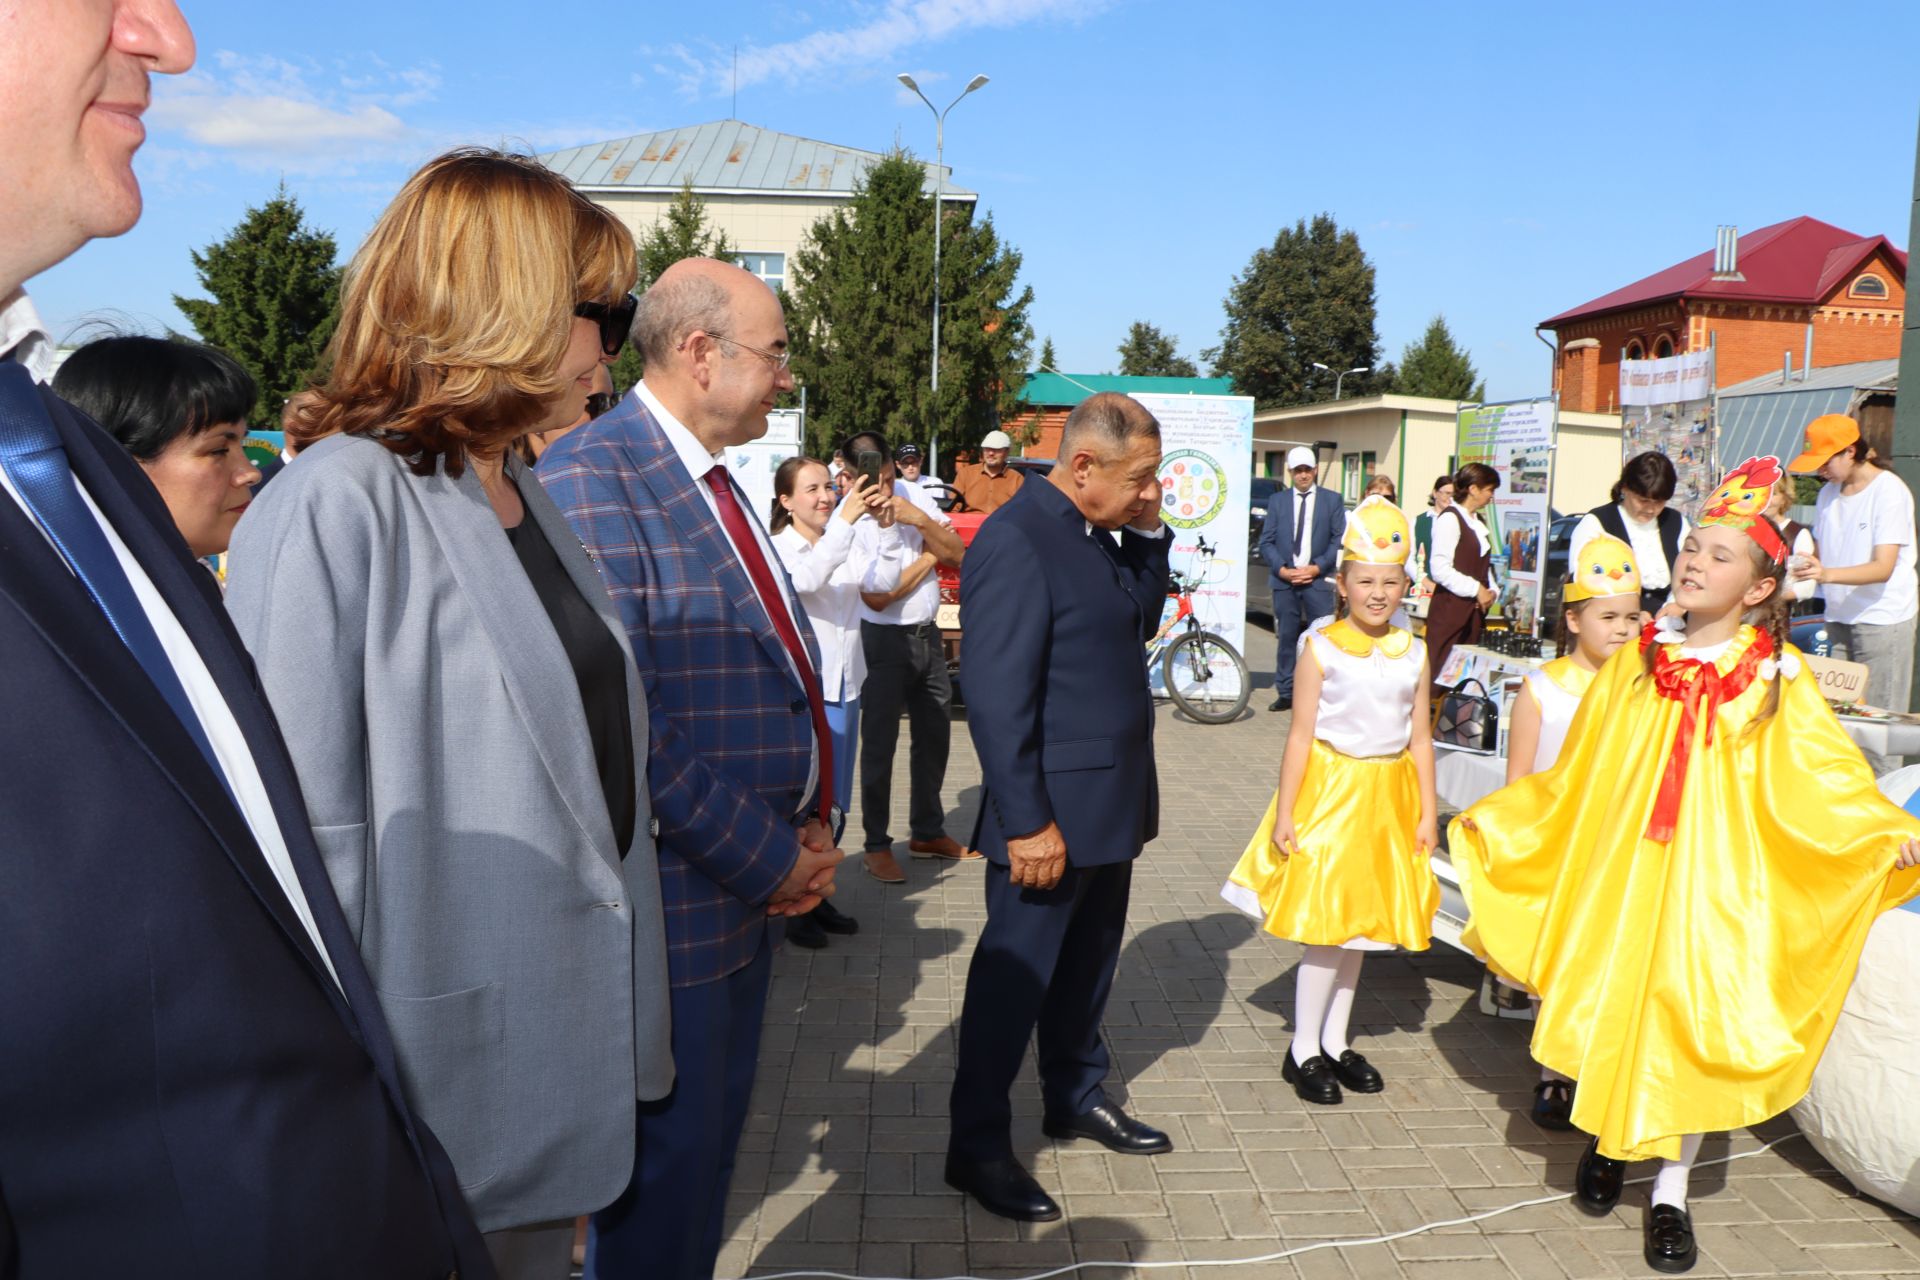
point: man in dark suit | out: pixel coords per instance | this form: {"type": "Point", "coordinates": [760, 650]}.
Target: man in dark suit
{"type": "Point", "coordinates": [740, 761]}
{"type": "Point", "coordinates": [195, 1077]}
{"type": "Point", "coordinates": [1300, 542]}
{"type": "Point", "coordinates": [1057, 608]}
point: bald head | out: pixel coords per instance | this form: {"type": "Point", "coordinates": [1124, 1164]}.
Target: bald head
{"type": "Point", "coordinates": [694, 295]}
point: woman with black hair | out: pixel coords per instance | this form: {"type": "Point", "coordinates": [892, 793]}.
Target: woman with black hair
{"type": "Point", "coordinates": [1462, 567]}
{"type": "Point", "coordinates": [1640, 517]}
{"type": "Point", "coordinates": [180, 409]}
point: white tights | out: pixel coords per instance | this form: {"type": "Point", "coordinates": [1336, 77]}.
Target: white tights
{"type": "Point", "coordinates": [1323, 988]}
{"type": "Point", "coordinates": [1670, 1184]}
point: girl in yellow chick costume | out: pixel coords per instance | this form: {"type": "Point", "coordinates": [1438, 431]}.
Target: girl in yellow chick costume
{"type": "Point", "coordinates": [1600, 611]}
{"type": "Point", "coordinates": [1691, 940]}
{"type": "Point", "coordinates": [1341, 861]}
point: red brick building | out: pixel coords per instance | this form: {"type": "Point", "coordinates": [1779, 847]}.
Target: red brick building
{"type": "Point", "coordinates": [1754, 299]}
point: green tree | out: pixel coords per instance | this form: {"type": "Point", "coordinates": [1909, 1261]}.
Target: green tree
{"type": "Point", "coordinates": [1048, 360]}
{"type": "Point", "coordinates": [274, 296]}
{"type": "Point", "coordinates": [1149, 353]}
{"type": "Point", "coordinates": [860, 314]}
{"type": "Point", "coordinates": [1306, 299]}
{"type": "Point", "coordinates": [1438, 366]}
{"type": "Point", "coordinates": [681, 232]}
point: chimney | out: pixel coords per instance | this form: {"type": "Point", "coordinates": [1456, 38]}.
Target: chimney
{"type": "Point", "coordinates": [1726, 254]}
{"type": "Point", "coordinates": [1806, 364]}
{"type": "Point", "coordinates": [1786, 367]}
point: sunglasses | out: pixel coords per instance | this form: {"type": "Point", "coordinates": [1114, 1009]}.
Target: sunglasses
{"type": "Point", "coordinates": [614, 318]}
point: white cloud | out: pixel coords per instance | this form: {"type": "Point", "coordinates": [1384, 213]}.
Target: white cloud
{"type": "Point", "coordinates": [245, 123]}
{"type": "Point", "coordinates": [897, 27]}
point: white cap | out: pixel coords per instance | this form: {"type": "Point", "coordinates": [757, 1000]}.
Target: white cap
{"type": "Point", "coordinates": [996, 440]}
{"type": "Point", "coordinates": [1301, 456]}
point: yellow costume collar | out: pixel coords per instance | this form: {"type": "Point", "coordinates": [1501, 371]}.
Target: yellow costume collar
{"type": "Point", "coordinates": [1571, 677]}
{"type": "Point", "coordinates": [1356, 643]}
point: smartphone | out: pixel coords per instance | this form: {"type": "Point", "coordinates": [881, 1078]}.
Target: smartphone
{"type": "Point", "coordinates": [869, 463]}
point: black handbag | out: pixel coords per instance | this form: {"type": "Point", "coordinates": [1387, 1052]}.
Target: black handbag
{"type": "Point", "coordinates": [1467, 719]}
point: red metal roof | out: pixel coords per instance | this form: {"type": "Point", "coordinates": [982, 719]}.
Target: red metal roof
{"type": "Point", "coordinates": [1801, 260]}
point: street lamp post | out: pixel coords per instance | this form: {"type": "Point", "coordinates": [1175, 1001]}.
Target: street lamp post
{"type": "Point", "coordinates": [939, 196]}
{"type": "Point", "coordinates": [1365, 368]}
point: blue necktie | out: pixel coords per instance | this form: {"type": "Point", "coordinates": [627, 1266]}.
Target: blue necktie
{"type": "Point", "coordinates": [33, 458]}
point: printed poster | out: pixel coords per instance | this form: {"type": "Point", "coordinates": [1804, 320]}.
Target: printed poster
{"type": "Point", "coordinates": [1516, 439]}
{"type": "Point", "coordinates": [1666, 406]}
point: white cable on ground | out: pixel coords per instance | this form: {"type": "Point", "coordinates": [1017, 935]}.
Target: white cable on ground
{"type": "Point", "coordinates": [1285, 1253]}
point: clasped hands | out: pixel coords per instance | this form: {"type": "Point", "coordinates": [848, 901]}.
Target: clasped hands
{"type": "Point", "coordinates": [811, 881]}
{"type": "Point", "coordinates": [1299, 577]}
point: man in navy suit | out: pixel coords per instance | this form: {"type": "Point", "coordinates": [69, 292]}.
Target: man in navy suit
{"type": "Point", "coordinates": [1300, 543]}
{"type": "Point", "coordinates": [1057, 607]}
{"type": "Point", "coordinates": [195, 1077]}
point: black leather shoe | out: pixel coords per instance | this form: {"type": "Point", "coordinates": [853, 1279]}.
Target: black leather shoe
{"type": "Point", "coordinates": [1112, 1128]}
{"type": "Point", "coordinates": [1357, 1074]}
{"type": "Point", "coordinates": [1597, 1182]}
{"type": "Point", "coordinates": [1002, 1187]}
{"type": "Point", "coordinates": [805, 931]}
{"type": "Point", "coordinates": [1670, 1244]}
{"type": "Point", "coordinates": [1282, 703]}
{"type": "Point", "coordinates": [1553, 1105]}
{"type": "Point", "coordinates": [1314, 1082]}
{"type": "Point", "coordinates": [833, 919]}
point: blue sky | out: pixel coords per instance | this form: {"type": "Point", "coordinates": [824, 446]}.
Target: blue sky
{"type": "Point", "coordinates": [1500, 162]}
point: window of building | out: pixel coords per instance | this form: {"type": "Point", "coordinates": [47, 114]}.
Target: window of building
{"type": "Point", "coordinates": [1355, 470]}
{"type": "Point", "coordinates": [1635, 351]}
{"type": "Point", "coordinates": [1868, 286]}
{"type": "Point", "coordinates": [1663, 348]}
{"type": "Point", "coordinates": [771, 267]}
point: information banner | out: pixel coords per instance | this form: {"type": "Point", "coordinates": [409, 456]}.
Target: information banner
{"type": "Point", "coordinates": [754, 462]}
{"type": "Point", "coordinates": [1516, 439]}
{"type": "Point", "coordinates": [1206, 472]}
{"type": "Point", "coordinates": [1666, 406]}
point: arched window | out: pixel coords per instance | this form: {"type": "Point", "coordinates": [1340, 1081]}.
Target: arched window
{"type": "Point", "coordinates": [1635, 351]}
{"type": "Point", "coordinates": [1663, 348]}
{"type": "Point", "coordinates": [1868, 285]}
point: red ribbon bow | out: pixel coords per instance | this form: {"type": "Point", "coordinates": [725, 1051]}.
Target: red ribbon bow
{"type": "Point", "coordinates": [1698, 687]}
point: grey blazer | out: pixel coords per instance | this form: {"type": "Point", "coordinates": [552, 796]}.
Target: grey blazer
{"type": "Point", "coordinates": [435, 723]}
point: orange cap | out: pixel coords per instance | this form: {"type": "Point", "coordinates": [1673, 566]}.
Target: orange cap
{"type": "Point", "coordinates": [1826, 436]}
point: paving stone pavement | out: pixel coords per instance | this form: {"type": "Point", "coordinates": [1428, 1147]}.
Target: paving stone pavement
{"type": "Point", "coordinates": [840, 1168]}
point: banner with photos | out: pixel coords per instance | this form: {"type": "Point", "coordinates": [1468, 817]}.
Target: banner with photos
{"type": "Point", "coordinates": [1515, 439]}
{"type": "Point", "coordinates": [1666, 406]}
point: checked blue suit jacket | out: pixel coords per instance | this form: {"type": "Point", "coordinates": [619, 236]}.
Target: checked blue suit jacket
{"type": "Point", "coordinates": [732, 738]}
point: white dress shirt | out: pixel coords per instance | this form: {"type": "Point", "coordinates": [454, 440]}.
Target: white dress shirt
{"type": "Point", "coordinates": [209, 704]}
{"type": "Point", "coordinates": [880, 556]}
{"type": "Point", "coordinates": [1446, 541]}
{"type": "Point", "coordinates": [1304, 556]}
{"type": "Point", "coordinates": [831, 593]}
{"type": "Point", "coordinates": [698, 461]}
{"type": "Point", "coordinates": [1643, 536]}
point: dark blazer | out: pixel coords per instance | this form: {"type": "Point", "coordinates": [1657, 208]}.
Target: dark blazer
{"type": "Point", "coordinates": [1325, 526]}
{"type": "Point", "coordinates": [1054, 621]}
{"type": "Point", "coordinates": [730, 732]}
{"type": "Point", "coordinates": [183, 1090]}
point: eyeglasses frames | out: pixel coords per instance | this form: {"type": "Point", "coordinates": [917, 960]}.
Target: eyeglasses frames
{"type": "Point", "coordinates": [778, 359]}
{"type": "Point", "coordinates": [614, 318]}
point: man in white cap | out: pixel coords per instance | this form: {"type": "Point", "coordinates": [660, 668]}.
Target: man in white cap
{"type": "Point", "coordinates": [987, 487]}
{"type": "Point", "coordinates": [1299, 542]}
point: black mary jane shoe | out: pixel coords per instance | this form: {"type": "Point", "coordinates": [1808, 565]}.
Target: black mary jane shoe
{"type": "Point", "coordinates": [834, 920]}
{"type": "Point", "coordinates": [1597, 1181]}
{"type": "Point", "coordinates": [805, 931]}
{"type": "Point", "coordinates": [1312, 1081]}
{"type": "Point", "coordinates": [1112, 1128]}
{"type": "Point", "coordinates": [1553, 1105]}
{"type": "Point", "coordinates": [1356, 1074]}
{"type": "Point", "coordinates": [1670, 1244]}
{"type": "Point", "coordinates": [1003, 1187]}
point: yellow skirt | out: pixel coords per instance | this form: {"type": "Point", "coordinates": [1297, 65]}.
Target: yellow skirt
{"type": "Point", "coordinates": [1357, 876]}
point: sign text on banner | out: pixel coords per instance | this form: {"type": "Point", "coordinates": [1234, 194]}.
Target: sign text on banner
{"type": "Point", "coordinates": [1666, 407]}
{"type": "Point", "coordinates": [1516, 440]}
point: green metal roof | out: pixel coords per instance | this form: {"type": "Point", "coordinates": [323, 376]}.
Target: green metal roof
{"type": "Point", "coordinates": [1071, 389]}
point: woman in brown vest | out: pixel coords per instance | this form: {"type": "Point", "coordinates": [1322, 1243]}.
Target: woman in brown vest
{"type": "Point", "coordinates": [1462, 566]}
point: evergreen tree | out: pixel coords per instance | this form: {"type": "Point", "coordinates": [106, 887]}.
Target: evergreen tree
{"type": "Point", "coordinates": [1149, 353]}
{"type": "Point", "coordinates": [1048, 360]}
{"type": "Point", "coordinates": [274, 298]}
{"type": "Point", "coordinates": [859, 316]}
{"type": "Point", "coordinates": [1307, 298]}
{"type": "Point", "coordinates": [681, 232]}
{"type": "Point", "coordinates": [1437, 366]}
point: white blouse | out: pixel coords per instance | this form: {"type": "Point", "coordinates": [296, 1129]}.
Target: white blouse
{"type": "Point", "coordinates": [824, 580]}
{"type": "Point", "coordinates": [1366, 703]}
{"type": "Point", "coordinates": [1446, 540]}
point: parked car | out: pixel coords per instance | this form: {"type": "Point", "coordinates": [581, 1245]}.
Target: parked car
{"type": "Point", "coordinates": [1559, 549]}
{"type": "Point", "coordinates": [1259, 593]}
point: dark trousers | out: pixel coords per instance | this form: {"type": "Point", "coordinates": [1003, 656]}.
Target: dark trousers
{"type": "Point", "coordinates": [906, 671]}
{"type": "Point", "coordinates": [667, 1224]}
{"type": "Point", "coordinates": [1294, 608]}
{"type": "Point", "coordinates": [1045, 959]}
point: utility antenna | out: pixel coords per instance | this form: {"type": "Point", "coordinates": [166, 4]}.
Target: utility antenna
{"type": "Point", "coordinates": [736, 83]}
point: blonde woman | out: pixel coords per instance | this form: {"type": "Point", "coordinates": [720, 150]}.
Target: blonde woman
{"type": "Point", "coordinates": [459, 697]}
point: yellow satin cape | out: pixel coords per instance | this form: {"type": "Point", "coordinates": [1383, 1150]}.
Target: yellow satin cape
{"type": "Point", "coordinates": [1357, 871]}
{"type": "Point", "coordinates": [1690, 986]}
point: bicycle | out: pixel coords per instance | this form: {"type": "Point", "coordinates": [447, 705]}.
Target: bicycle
{"type": "Point", "coordinates": [1204, 674]}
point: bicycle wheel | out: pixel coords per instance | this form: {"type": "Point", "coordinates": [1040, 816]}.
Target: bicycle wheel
{"type": "Point", "coordinates": [1206, 677]}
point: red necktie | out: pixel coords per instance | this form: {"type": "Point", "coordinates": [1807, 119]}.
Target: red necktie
{"type": "Point", "coordinates": [740, 529]}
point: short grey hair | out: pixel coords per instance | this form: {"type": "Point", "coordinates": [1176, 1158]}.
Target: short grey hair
{"type": "Point", "coordinates": [676, 307]}
{"type": "Point", "coordinates": [1106, 423]}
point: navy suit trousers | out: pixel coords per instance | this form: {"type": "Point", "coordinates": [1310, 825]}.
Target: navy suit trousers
{"type": "Point", "coordinates": [1294, 609]}
{"type": "Point", "coordinates": [667, 1224]}
{"type": "Point", "coordinates": [1045, 959]}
